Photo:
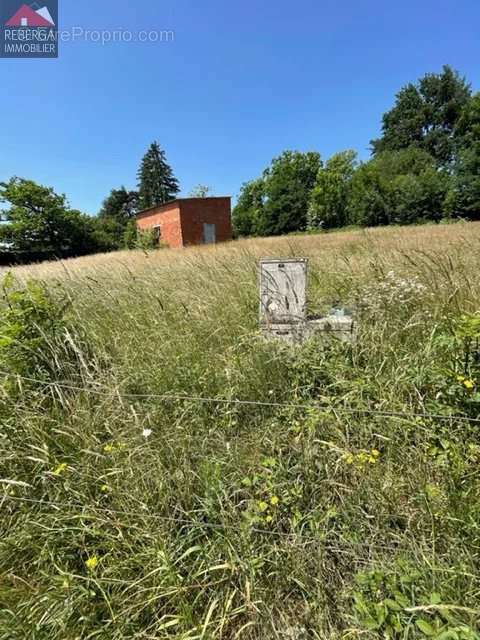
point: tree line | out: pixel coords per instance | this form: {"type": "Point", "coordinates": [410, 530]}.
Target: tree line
{"type": "Point", "coordinates": [424, 167]}
{"type": "Point", "coordinates": [39, 221]}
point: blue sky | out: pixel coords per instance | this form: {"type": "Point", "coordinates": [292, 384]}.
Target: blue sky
{"type": "Point", "coordinates": [241, 82]}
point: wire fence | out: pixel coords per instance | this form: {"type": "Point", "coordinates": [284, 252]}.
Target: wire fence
{"type": "Point", "coordinates": [181, 397]}
{"type": "Point", "coordinates": [225, 526]}
{"type": "Point", "coordinates": [202, 524]}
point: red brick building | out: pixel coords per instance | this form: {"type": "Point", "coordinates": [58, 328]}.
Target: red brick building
{"type": "Point", "coordinates": [187, 221]}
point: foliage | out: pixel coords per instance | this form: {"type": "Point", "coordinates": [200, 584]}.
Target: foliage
{"type": "Point", "coordinates": [464, 195]}
{"type": "Point", "coordinates": [404, 602]}
{"type": "Point", "coordinates": [32, 329]}
{"type": "Point", "coordinates": [156, 181]}
{"type": "Point", "coordinates": [249, 208]}
{"type": "Point", "coordinates": [40, 220]}
{"type": "Point", "coordinates": [330, 195]}
{"type": "Point", "coordinates": [130, 234]}
{"type": "Point", "coordinates": [463, 199]}
{"type": "Point", "coordinates": [116, 213]}
{"type": "Point", "coordinates": [145, 239]}
{"type": "Point", "coordinates": [121, 205]}
{"type": "Point", "coordinates": [288, 184]}
{"type": "Point", "coordinates": [277, 202]}
{"type": "Point", "coordinates": [200, 191]}
{"type": "Point", "coordinates": [398, 187]}
{"type": "Point", "coordinates": [108, 232]}
{"type": "Point", "coordinates": [425, 116]}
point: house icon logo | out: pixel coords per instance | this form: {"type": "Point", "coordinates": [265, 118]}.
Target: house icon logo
{"type": "Point", "coordinates": [30, 31]}
{"type": "Point", "coordinates": [31, 16]}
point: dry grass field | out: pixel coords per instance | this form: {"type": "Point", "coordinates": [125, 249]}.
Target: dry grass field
{"type": "Point", "coordinates": [140, 499]}
{"type": "Point", "coordinates": [347, 251]}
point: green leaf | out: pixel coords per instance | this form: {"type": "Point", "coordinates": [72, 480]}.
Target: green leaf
{"type": "Point", "coordinates": [449, 634]}
{"type": "Point", "coordinates": [391, 604]}
{"type": "Point", "coordinates": [425, 627]}
{"type": "Point", "coordinates": [402, 600]}
{"type": "Point", "coordinates": [360, 604]}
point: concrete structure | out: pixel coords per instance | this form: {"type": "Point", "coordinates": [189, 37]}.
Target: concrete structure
{"type": "Point", "coordinates": [283, 304]}
{"type": "Point", "coordinates": [283, 291]}
{"type": "Point", "coordinates": [188, 221]}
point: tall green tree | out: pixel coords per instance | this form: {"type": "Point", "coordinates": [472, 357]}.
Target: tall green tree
{"type": "Point", "coordinates": [40, 220]}
{"type": "Point", "coordinates": [117, 209]}
{"type": "Point", "coordinates": [398, 187]}
{"type": "Point", "coordinates": [120, 205]}
{"type": "Point", "coordinates": [425, 115]}
{"type": "Point", "coordinates": [288, 185]}
{"type": "Point", "coordinates": [464, 196]}
{"type": "Point", "coordinates": [330, 195]}
{"type": "Point", "coordinates": [249, 208]}
{"type": "Point", "coordinates": [156, 181]}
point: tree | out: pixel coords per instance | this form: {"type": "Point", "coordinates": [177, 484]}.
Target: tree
{"type": "Point", "coordinates": [329, 197]}
{"type": "Point", "coordinates": [130, 234]}
{"type": "Point", "coordinates": [200, 191]}
{"type": "Point", "coordinates": [288, 184]}
{"type": "Point", "coordinates": [117, 209]}
{"type": "Point", "coordinates": [368, 202]}
{"type": "Point", "coordinates": [464, 197]}
{"type": "Point", "coordinates": [249, 208]}
{"type": "Point", "coordinates": [120, 205]}
{"type": "Point", "coordinates": [39, 220]}
{"type": "Point", "coordinates": [157, 183]}
{"type": "Point", "coordinates": [398, 187]}
{"type": "Point", "coordinates": [109, 231]}
{"type": "Point", "coordinates": [425, 115]}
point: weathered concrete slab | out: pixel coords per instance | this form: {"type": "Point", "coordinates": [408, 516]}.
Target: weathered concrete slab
{"type": "Point", "coordinates": [340, 328]}
{"type": "Point", "coordinates": [283, 291]}
{"type": "Point", "coordinates": [283, 305]}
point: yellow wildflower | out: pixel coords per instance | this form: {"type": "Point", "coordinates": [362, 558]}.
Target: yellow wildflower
{"type": "Point", "coordinates": [349, 459]}
{"type": "Point", "coordinates": [375, 453]}
{"type": "Point", "coordinates": [269, 518]}
{"type": "Point", "coordinates": [460, 378]}
{"type": "Point", "coordinates": [61, 469]}
{"type": "Point", "coordinates": [108, 447]}
{"type": "Point", "coordinates": [92, 562]}
{"type": "Point", "coordinates": [104, 487]}
{"type": "Point", "coordinates": [372, 460]}
{"type": "Point", "coordinates": [263, 505]}
{"type": "Point", "coordinates": [469, 384]}
{"type": "Point", "coordinates": [274, 500]}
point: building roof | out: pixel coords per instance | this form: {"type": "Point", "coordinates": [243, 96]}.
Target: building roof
{"type": "Point", "coordinates": [170, 202]}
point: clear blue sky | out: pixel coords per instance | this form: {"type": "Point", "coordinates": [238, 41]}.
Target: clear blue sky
{"type": "Point", "coordinates": [242, 81]}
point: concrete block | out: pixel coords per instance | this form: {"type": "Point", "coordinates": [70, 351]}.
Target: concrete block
{"type": "Point", "coordinates": [283, 305]}
{"type": "Point", "coordinates": [283, 291]}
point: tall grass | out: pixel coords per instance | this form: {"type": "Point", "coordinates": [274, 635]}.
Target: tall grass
{"type": "Point", "coordinates": [145, 517]}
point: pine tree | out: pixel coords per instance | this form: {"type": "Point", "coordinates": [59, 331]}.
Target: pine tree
{"type": "Point", "coordinates": [157, 183]}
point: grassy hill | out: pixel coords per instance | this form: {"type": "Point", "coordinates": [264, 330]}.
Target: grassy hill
{"type": "Point", "coordinates": [345, 504]}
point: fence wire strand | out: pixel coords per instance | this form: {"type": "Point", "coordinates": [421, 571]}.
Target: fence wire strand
{"type": "Point", "coordinates": [242, 402]}
{"type": "Point", "coordinates": [199, 523]}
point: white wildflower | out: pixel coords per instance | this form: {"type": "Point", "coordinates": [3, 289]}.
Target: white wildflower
{"type": "Point", "coordinates": [147, 433]}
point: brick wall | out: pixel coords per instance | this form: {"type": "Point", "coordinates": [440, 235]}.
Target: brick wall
{"type": "Point", "coordinates": [181, 221]}
{"type": "Point", "coordinates": [168, 217]}
{"type": "Point", "coordinates": [195, 212]}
